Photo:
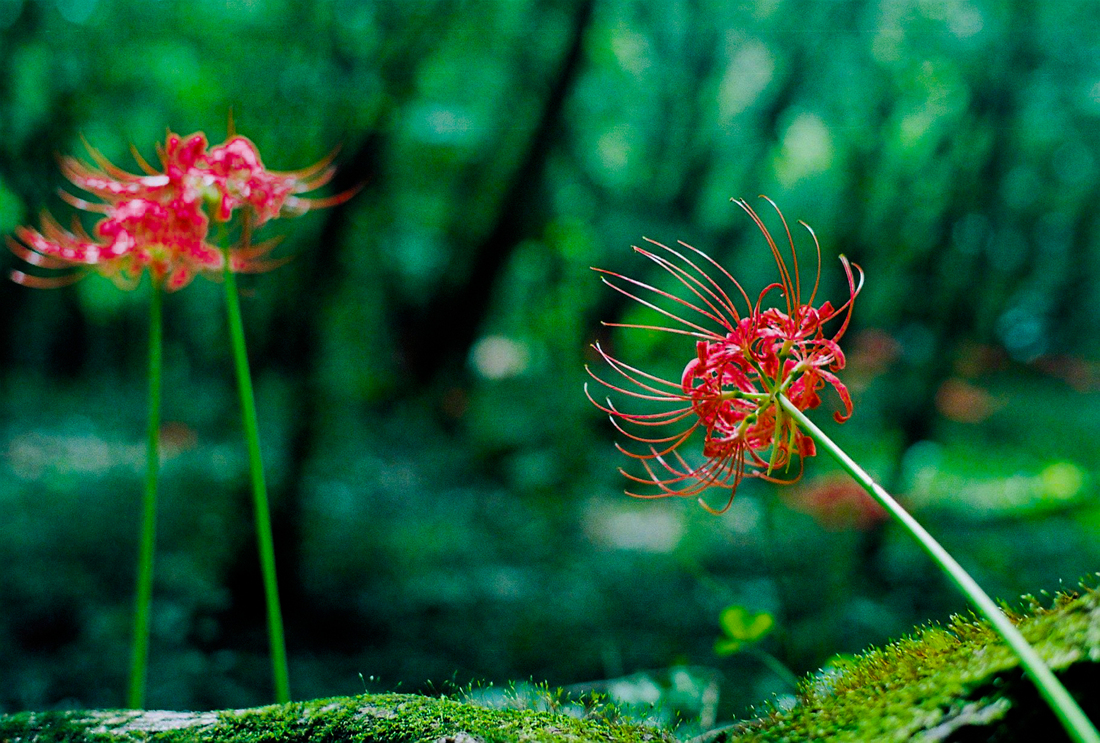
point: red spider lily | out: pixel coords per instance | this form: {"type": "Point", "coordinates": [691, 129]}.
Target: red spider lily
{"type": "Point", "coordinates": [134, 235]}
{"type": "Point", "coordinates": [157, 220]}
{"type": "Point", "coordinates": [241, 180]}
{"type": "Point", "coordinates": [742, 363]}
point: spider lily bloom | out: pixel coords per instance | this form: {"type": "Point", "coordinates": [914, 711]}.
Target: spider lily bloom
{"type": "Point", "coordinates": [728, 392]}
{"type": "Point", "coordinates": [158, 221]}
{"type": "Point", "coordinates": [167, 239]}
{"type": "Point", "coordinates": [241, 179]}
{"type": "Point", "coordinates": [791, 346]}
{"type": "Point", "coordinates": [181, 159]}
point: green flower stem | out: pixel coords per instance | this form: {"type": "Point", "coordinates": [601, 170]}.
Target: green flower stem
{"type": "Point", "coordinates": [140, 658]}
{"type": "Point", "coordinates": [776, 666]}
{"type": "Point", "coordinates": [259, 489]}
{"type": "Point", "coordinates": [1079, 727]}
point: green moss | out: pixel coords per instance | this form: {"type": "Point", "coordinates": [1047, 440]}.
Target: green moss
{"type": "Point", "coordinates": [379, 718]}
{"type": "Point", "coordinates": [944, 683]}
{"type": "Point", "coordinates": [952, 683]}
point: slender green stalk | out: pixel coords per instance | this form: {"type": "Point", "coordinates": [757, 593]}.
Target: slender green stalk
{"type": "Point", "coordinates": [259, 489]}
{"type": "Point", "coordinates": [1079, 727]}
{"type": "Point", "coordinates": [776, 666]}
{"type": "Point", "coordinates": [139, 661]}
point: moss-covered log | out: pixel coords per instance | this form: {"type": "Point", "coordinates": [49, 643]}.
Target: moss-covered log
{"type": "Point", "coordinates": [956, 683]}
{"type": "Point", "coordinates": [377, 718]}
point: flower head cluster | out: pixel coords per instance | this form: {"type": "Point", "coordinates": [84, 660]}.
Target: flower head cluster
{"type": "Point", "coordinates": [159, 220]}
{"type": "Point", "coordinates": [743, 362]}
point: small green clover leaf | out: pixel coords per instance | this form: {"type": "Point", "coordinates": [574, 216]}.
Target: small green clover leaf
{"type": "Point", "coordinates": [741, 627]}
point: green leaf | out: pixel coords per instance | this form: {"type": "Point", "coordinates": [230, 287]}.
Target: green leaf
{"type": "Point", "coordinates": [727, 646]}
{"type": "Point", "coordinates": [744, 625]}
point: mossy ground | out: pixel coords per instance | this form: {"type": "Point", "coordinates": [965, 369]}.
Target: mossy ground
{"type": "Point", "coordinates": [957, 682]}
{"type": "Point", "coordinates": [377, 718]}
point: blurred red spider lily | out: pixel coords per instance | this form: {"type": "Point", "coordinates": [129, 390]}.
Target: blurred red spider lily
{"type": "Point", "coordinates": [838, 504]}
{"type": "Point", "coordinates": [240, 179]}
{"type": "Point", "coordinates": [743, 362]}
{"type": "Point", "coordinates": [158, 220]}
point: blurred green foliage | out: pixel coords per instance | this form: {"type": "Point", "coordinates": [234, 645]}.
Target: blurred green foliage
{"type": "Point", "coordinates": [447, 503]}
{"type": "Point", "coordinates": [741, 627]}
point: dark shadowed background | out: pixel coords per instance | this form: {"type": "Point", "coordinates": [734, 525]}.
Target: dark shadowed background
{"type": "Point", "coordinates": [447, 505]}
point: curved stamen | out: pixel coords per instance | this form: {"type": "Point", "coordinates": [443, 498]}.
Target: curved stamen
{"type": "Point", "coordinates": [724, 272]}
{"type": "Point", "coordinates": [618, 364]}
{"type": "Point", "coordinates": [794, 254]}
{"type": "Point", "coordinates": [677, 437]}
{"type": "Point", "coordinates": [683, 277]}
{"type": "Point", "coordinates": [727, 313]}
{"type": "Point", "coordinates": [677, 331]}
{"type": "Point", "coordinates": [817, 248]}
{"type": "Point", "coordinates": [725, 298]}
{"type": "Point", "coordinates": [654, 307]}
{"type": "Point", "coordinates": [662, 395]}
{"type": "Point", "coordinates": [854, 289]}
{"type": "Point", "coordinates": [784, 274]}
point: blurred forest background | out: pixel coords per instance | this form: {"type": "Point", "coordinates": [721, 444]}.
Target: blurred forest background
{"type": "Point", "coordinates": [447, 503]}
